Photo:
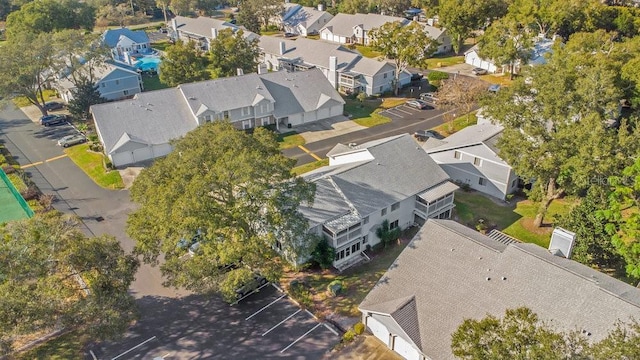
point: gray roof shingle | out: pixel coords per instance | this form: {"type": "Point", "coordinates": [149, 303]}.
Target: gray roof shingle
{"type": "Point", "coordinates": [202, 26]}
{"type": "Point", "coordinates": [343, 24]}
{"type": "Point", "coordinates": [446, 268]}
{"type": "Point", "coordinates": [111, 37]}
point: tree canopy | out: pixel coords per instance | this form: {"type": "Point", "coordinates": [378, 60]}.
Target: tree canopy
{"type": "Point", "coordinates": [255, 14]}
{"type": "Point", "coordinates": [48, 16]}
{"type": "Point", "coordinates": [462, 17]}
{"type": "Point", "coordinates": [231, 51]}
{"type": "Point", "coordinates": [506, 42]}
{"type": "Point", "coordinates": [183, 63]}
{"type": "Point", "coordinates": [41, 260]}
{"type": "Point", "coordinates": [404, 45]}
{"type": "Point", "coordinates": [235, 192]}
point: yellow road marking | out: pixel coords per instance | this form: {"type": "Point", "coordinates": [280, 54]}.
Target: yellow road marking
{"type": "Point", "coordinates": [309, 152]}
{"type": "Point", "coordinates": [42, 162]}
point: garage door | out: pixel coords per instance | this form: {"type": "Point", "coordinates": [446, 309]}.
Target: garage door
{"type": "Point", "coordinates": [142, 154]}
{"type": "Point", "coordinates": [404, 348]}
{"type": "Point", "coordinates": [324, 113]}
{"type": "Point", "coordinates": [378, 329]}
{"type": "Point", "coordinates": [121, 158]}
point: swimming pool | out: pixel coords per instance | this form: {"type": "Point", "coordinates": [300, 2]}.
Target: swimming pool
{"type": "Point", "coordinates": [148, 63]}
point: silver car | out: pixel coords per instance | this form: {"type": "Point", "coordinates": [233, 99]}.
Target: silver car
{"type": "Point", "coordinates": [72, 140]}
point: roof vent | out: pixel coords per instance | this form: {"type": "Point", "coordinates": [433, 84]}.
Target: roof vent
{"type": "Point", "coordinates": [452, 249]}
{"type": "Point", "coordinates": [488, 278]}
{"type": "Point", "coordinates": [191, 98]}
{"type": "Point", "coordinates": [504, 278]}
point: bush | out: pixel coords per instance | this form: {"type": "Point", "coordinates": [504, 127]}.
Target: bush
{"type": "Point", "coordinates": [95, 147]}
{"type": "Point", "coordinates": [93, 138]}
{"type": "Point", "coordinates": [437, 76]}
{"type": "Point", "coordinates": [335, 288]}
{"type": "Point", "coordinates": [348, 336]}
{"type": "Point", "coordinates": [323, 254]}
{"type": "Point", "coordinates": [301, 294]}
{"type": "Point", "coordinates": [8, 169]}
{"type": "Point", "coordinates": [3, 159]}
{"type": "Point", "coordinates": [358, 328]}
{"type": "Point", "coordinates": [30, 193]}
{"type": "Point", "coordinates": [107, 164]}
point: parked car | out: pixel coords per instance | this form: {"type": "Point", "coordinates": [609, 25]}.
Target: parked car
{"type": "Point", "coordinates": [53, 105]}
{"type": "Point", "coordinates": [423, 135]}
{"type": "Point", "coordinates": [479, 71]}
{"type": "Point", "coordinates": [251, 286]}
{"type": "Point", "coordinates": [191, 244]}
{"type": "Point", "coordinates": [494, 88]}
{"type": "Point", "coordinates": [290, 35]}
{"type": "Point", "coordinates": [49, 120]}
{"type": "Point", "coordinates": [71, 140]}
{"type": "Point", "coordinates": [419, 104]}
{"type": "Point", "coordinates": [430, 97]}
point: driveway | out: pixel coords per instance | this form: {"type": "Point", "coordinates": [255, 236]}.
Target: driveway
{"type": "Point", "coordinates": [265, 325]}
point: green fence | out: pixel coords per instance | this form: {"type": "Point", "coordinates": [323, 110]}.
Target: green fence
{"type": "Point", "coordinates": [12, 204]}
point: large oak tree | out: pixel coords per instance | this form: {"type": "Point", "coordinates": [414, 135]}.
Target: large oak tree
{"type": "Point", "coordinates": [183, 63]}
{"type": "Point", "coordinates": [231, 51]}
{"type": "Point", "coordinates": [237, 191]}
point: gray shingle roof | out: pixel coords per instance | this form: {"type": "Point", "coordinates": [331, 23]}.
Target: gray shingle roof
{"type": "Point", "coordinates": [202, 26]}
{"type": "Point", "coordinates": [153, 117]}
{"type": "Point", "coordinates": [446, 266]}
{"type": "Point", "coordinates": [343, 24]}
{"type": "Point", "coordinates": [469, 136]}
{"type": "Point", "coordinates": [312, 52]}
{"type": "Point", "coordinates": [370, 185]}
{"type": "Point", "coordinates": [99, 72]}
{"type": "Point", "coordinates": [296, 14]}
{"type": "Point", "coordinates": [111, 37]}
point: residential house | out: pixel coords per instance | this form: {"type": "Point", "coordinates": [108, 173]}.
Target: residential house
{"type": "Point", "coordinates": [355, 28]}
{"type": "Point", "coordinates": [114, 81]}
{"type": "Point", "coordinates": [449, 273]}
{"type": "Point", "coordinates": [202, 30]}
{"type": "Point", "coordinates": [470, 156]}
{"type": "Point", "coordinates": [303, 20]}
{"type": "Point", "coordinates": [389, 179]}
{"type": "Point", "coordinates": [141, 128]}
{"type": "Point", "coordinates": [541, 47]}
{"type": "Point", "coordinates": [124, 41]}
{"type": "Point", "coordinates": [441, 36]}
{"type": "Point", "coordinates": [346, 70]}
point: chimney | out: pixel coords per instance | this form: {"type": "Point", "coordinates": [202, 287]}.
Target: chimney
{"type": "Point", "coordinates": [214, 33]}
{"type": "Point", "coordinates": [333, 68]}
{"type": "Point", "coordinates": [320, 7]}
{"type": "Point", "coordinates": [262, 68]}
{"type": "Point", "coordinates": [239, 71]}
{"type": "Point", "coordinates": [282, 48]}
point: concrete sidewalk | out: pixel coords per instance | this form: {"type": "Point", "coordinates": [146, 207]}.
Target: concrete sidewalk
{"type": "Point", "coordinates": [325, 129]}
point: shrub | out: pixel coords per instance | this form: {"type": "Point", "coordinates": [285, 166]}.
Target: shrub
{"type": "Point", "coordinates": [3, 159]}
{"type": "Point", "coordinates": [323, 254]}
{"type": "Point", "coordinates": [437, 76]}
{"type": "Point", "coordinates": [335, 288]}
{"type": "Point", "coordinates": [301, 294]}
{"type": "Point", "coordinates": [93, 138]}
{"type": "Point", "coordinates": [8, 169]}
{"type": "Point", "coordinates": [107, 164]}
{"type": "Point", "coordinates": [46, 201]}
{"type": "Point", "coordinates": [358, 328]}
{"type": "Point", "coordinates": [30, 193]}
{"type": "Point", "coordinates": [95, 147]}
{"type": "Point", "coordinates": [362, 96]}
{"type": "Point", "coordinates": [348, 336]}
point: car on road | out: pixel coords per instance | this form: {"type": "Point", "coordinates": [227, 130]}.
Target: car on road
{"type": "Point", "coordinates": [250, 286]}
{"type": "Point", "coordinates": [71, 140]}
{"type": "Point", "coordinates": [49, 120]}
{"type": "Point", "coordinates": [290, 35]}
{"type": "Point", "coordinates": [53, 105]}
{"type": "Point", "coordinates": [419, 104]}
{"type": "Point", "coordinates": [423, 135]}
{"type": "Point", "coordinates": [428, 96]}
{"type": "Point", "coordinates": [479, 71]}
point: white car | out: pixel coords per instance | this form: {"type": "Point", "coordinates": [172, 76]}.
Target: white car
{"type": "Point", "coordinates": [72, 140]}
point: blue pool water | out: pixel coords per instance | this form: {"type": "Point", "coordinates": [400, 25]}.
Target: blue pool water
{"type": "Point", "coordinates": [148, 63]}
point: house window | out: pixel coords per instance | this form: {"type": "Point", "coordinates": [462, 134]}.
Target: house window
{"type": "Point", "coordinates": [126, 92]}
{"type": "Point", "coordinates": [246, 111]}
{"type": "Point", "coordinates": [393, 225]}
{"type": "Point", "coordinates": [365, 220]}
{"type": "Point", "coordinates": [246, 124]}
{"type": "Point", "coordinates": [393, 73]}
{"type": "Point", "coordinates": [457, 155]}
{"type": "Point", "coordinates": [208, 118]}
{"type": "Point", "coordinates": [355, 247]}
{"type": "Point", "coordinates": [395, 206]}
{"type": "Point", "coordinates": [380, 88]}
{"type": "Point", "coordinates": [477, 161]}
{"type": "Point", "coordinates": [117, 82]}
{"type": "Point", "coordinates": [482, 181]}
{"type": "Point", "coordinates": [225, 114]}
{"type": "Point", "coordinates": [365, 239]}
{"type": "Point", "coordinates": [385, 75]}
{"type": "Point", "coordinates": [265, 121]}
{"type": "Point", "coordinates": [383, 212]}
{"type": "Point", "coordinates": [347, 251]}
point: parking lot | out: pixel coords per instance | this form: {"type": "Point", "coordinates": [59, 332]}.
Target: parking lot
{"type": "Point", "coordinates": [406, 114]}
{"type": "Point", "coordinates": [266, 324]}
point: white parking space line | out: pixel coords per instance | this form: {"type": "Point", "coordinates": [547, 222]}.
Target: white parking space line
{"type": "Point", "coordinates": [135, 347]}
{"type": "Point", "coordinates": [249, 294]}
{"type": "Point", "coordinates": [394, 114]}
{"type": "Point", "coordinates": [403, 111]}
{"type": "Point", "coordinates": [280, 323]}
{"type": "Point", "coordinates": [331, 329]}
{"type": "Point", "coordinates": [277, 287]}
{"type": "Point", "coordinates": [300, 338]}
{"type": "Point", "coordinates": [264, 307]}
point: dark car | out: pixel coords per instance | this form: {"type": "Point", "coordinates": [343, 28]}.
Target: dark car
{"type": "Point", "coordinates": [49, 120]}
{"type": "Point", "coordinates": [251, 286]}
{"type": "Point", "coordinates": [53, 105]}
{"type": "Point", "coordinates": [290, 35]}
{"type": "Point", "coordinates": [70, 140]}
{"type": "Point", "coordinates": [479, 71]}
{"type": "Point", "coordinates": [419, 104]}
{"type": "Point", "coordinates": [423, 135]}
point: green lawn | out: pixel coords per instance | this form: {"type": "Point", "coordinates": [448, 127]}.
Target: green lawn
{"type": "Point", "coordinates": [358, 281]}
{"type": "Point", "coordinates": [366, 113]}
{"type": "Point", "coordinates": [500, 79]}
{"type": "Point", "coordinates": [152, 82]}
{"type": "Point", "coordinates": [457, 124]}
{"type": "Point", "coordinates": [299, 170]}
{"type": "Point", "coordinates": [67, 346]}
{"type": "Point", "coordinates": [368, 51]}
{"type": "Point", "coordinates": [515, 219]}
{"type": "Point", "coordinates": [290, 140]}
{"type": "Point", "coordinates": [161, 45]}
{"type": "Point", "coordinates": [442, 61]}
{"type": "Point", "coordinates": [91, 163]}
{"type": "Point", "coordinates": [22, 101]}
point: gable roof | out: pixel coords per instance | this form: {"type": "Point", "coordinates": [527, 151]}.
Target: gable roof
{"type": "Point", "coordinates": [295, 14]}
{"type": "Point", "coordinates": [111, 37]}
{"type": "Point", "coordinates": [202, 26]}
{"type": "Point", "coordinates": [446, 267]}
{"type": "Point", "coordinates": [487, 134]}
{"type": "Point", "coordinates": [343, 24]}
{"type": "Point", "coordinates": [432, 31]}
{"type": "Point", "coordinates": [106, 70]}
{"type": "Point", "coordinates": [153, 117]}
{"type": "Point", "coordinates": [370, 185]}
